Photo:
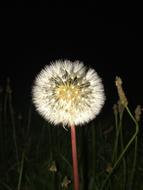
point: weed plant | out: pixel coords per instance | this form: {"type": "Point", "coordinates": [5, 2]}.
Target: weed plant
{"type": "Point", "coordinates": [37, 156]}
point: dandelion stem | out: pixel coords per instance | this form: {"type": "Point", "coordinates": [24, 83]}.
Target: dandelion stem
{"type": "Point", "coordinates": [74, 157]}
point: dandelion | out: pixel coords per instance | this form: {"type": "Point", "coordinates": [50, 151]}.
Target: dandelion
{"type": "Point", "coordinates": [68, 93]}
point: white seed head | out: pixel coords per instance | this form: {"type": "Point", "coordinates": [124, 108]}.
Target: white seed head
{"type": "Point", "coordinates": [66, 92]}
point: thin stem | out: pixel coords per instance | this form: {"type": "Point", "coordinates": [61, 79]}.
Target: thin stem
{"type": "Point", "coordinates": [7, 187]}
{"type": "Point", "coordinates": [29, 120]}
{"type": "Point", "coordinates": [94, 150]}
{"type": "Point", "coordinates": [114, 156]}
{"type": "Point", "coordinates": [13, 126]}
{"type": "Point", "coordinates": [74, 158]}
{"type": "Point", "coordinates": [135, 152]}
{"type": "Point", "coordinates": [125, 149]}
{"type": "Point", "coordinates": [134, 165]}
{"type": "Point", "coordinates": [122, 148]}
{"type": "Point", "coordinates": [21, 172]}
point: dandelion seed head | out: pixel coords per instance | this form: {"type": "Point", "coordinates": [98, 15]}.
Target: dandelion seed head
{"type": "Point", "coordinates": [67, 92]}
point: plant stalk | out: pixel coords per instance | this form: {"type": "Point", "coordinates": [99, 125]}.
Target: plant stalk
{"type": "Point", "coordinates": [74, 158]}
{"type": "Point", "coordinates": [125, 148]}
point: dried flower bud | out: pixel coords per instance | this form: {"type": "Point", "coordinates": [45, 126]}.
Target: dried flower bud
{"type": "Point", "coordinates": [53, 167]}
{"type": "Point", "coordinates": [120, 107]}
{"type": "Point", "coordinates": [138, 113]}
{"type": "Point", "coordinates": [8, 87]}
{"type": "Point", "coordinates": [121, 92]}
{"type": "Point", "coordinates": [115, 109]}
{"type": "Point", "coordinates": [109, 168]}
{"type": "Point", "coordinates": [66, 182]}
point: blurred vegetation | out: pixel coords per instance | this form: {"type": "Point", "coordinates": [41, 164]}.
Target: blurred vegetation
{"type": "Point", "coordinates": [35, 155]}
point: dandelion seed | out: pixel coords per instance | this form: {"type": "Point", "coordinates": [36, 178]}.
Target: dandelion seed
{"type": "Point", "coordinates": [67, 92]}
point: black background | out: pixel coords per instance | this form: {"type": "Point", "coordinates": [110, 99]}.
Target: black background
{"type": "Point", "coordinates": [112, 45]}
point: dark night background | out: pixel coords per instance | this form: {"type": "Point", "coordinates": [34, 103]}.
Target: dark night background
{"type": "Point", "coordinates": [112, 47]}
{"type": "Point", "coordinates": [104, 38]}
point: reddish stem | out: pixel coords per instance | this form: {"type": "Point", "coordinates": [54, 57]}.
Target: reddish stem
{"type": "Point", "coordinates": [74, 158]}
